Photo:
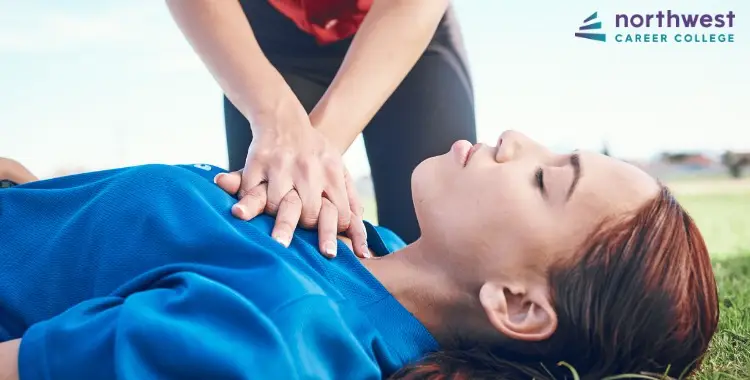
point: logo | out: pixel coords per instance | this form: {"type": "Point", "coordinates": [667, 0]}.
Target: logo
{"type": "Point", "coordinates": [203, 167]}
{"type": "Point", "coordinates": [663, 26]}
{"type": "Point", "coordinates": [591, 26]}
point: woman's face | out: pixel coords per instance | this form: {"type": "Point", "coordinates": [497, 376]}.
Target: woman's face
{"type": "Point", "coordinates": [514, 209]}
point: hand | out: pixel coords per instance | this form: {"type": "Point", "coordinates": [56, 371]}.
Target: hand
{"type": "Point", "coordinates": [289, 213]}
{"type": "Point", "coordinates": [9, 359]}
{"type": "Point", "coordinates": [14, 171]}
{"type": "Point", "coordinates": [297, 176]}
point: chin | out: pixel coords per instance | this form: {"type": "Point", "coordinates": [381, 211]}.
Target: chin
{"type": "Point", "coordinates": [428, 180]}
{"type": "Point", "coordinates": [418, 179]}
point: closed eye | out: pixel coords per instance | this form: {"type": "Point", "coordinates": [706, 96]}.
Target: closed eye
{"type": "Point", "coordinates": [539, 175]}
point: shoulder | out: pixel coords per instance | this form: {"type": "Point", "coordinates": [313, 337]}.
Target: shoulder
{"type": "Point", "coordinates": [162, 171]}
{"type": "Point", "coordinates": [139, 175]}
{"type": "Point", "coordinates": [346, 330]}
{"type": "Point", "coordinates": [160, 180]}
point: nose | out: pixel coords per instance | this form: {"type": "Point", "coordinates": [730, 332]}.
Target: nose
{"type": "Point", "coordinates": [514, 145]}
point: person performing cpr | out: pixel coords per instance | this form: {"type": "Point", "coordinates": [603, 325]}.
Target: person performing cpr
{"type": "Point", "coordinates": [304, 78]}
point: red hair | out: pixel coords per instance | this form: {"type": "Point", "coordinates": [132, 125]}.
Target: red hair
{"type": "Point", "coordinates": [640, 298]}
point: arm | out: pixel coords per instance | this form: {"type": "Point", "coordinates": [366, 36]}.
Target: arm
{"type": "Point", "coordinates": [186, 325]}
{"type": "Point", "coordinates": [9, 360]}
{"type": "Point", "coordinates": [220, 34]}
{"type": "Point", "coordinates": [287, 153]}
{"type": "Point", "coordinates": [392, 37]}
{"type": "Point", "coordinates": [14, 171]}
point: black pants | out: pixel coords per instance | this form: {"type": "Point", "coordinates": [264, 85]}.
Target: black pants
{"type": "Point", "coordinates": [432, 108]}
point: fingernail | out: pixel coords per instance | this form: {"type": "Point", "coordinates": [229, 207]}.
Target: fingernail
{"type": "Point", "coordinates": [364, 228]}
{"type": "Point", "coordinates": [282, 239]}
{"type": "Point", "coordinates": [216, 178]}
{"type": "Point", "coordinates": [240, 210]}
{"type": "Point", "coordinates": [366, 251]}
{"type": "Point", "coordinates": [329, 248]}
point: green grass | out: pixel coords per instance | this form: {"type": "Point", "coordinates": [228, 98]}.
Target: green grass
{"type": "Point", "coordinates": [723, 220]}
{"type": "Point", "coordinates": [729, 355]}
{"type": "Point", "coordinates": [721, 208]}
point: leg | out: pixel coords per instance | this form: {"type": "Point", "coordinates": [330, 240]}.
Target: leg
{"type": "Point", "coordinates": [432, 108]}
{"type": "Point", "coordinates": [238, 134]}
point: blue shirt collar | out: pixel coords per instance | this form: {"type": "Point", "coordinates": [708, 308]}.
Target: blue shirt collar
{"type": "Point", "coordinates": [402, 332]}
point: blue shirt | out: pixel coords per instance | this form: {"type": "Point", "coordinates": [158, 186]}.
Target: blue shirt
{"type": "Point", "coordinates": [143, 273]}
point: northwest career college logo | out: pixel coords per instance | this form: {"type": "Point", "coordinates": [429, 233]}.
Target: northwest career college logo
{"type": "Point", "coordinates": [589, 25]}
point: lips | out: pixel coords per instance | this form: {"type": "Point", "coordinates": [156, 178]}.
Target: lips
{"type": "Point", "coordinates": [471, 152]}
{"type": "Point", "coordinates": [460, 150]}
{"type": "Point", "coordinates": [463, 150]}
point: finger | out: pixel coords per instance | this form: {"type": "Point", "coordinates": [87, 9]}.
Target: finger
{"type": "Point", "coordinates": [356, 227]}
{"type": "Point", "coordinates": [355, 205]}
{"type": "Point", "coordinates": [252, 176]}
{"type": "Point", "coordinates": [358, 234]}
{"type": "Point", "coordinates": [251, 204]}
{"type": "Point", "coordinates": [287, 218]}
{"type": "Point", "coordinates": [336, 193]}
{"type": "Point", "coordinates": [311, 195]}
{"type": "Point", "coordinates": [229, 182]}
{"type": "Point", "coordinates": [327, 229]}
{"type": "Point", "coordinates": [279, 185]}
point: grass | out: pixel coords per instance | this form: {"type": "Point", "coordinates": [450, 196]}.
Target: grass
{"type": "Point", "coordinates": [721, 208]}
{"type": "Point", "coordinates": [729, 355]}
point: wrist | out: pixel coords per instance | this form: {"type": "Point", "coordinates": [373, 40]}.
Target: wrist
{"type": "Point", "coordinates": [278, 114]}
{"type": "Point", "coordinates": [330, 124]}
{"type": "Point", "coordinates": [334, 136]}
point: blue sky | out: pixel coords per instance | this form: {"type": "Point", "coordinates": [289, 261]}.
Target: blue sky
{"type": "Point", "coordinates": [106, 83]}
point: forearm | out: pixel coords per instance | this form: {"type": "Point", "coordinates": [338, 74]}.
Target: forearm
{"type": "Point", "coordinates": [14, 171]}
{"type": "Point", "coordinates": [220, 34]}
{"type": "Point", "coordinates": [9, 359]}
{"type": "Point", "coordinates": [389, 42]}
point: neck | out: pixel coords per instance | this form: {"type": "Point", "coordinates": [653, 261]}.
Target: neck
{"type": "Point", "coordinates": [427, 290]}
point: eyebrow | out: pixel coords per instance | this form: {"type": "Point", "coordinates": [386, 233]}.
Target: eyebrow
{"type": "Point", "coordinates": [575, 162]}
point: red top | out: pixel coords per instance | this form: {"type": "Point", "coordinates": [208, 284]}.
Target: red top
{"type": "Point", "coordinates": [326, 20]}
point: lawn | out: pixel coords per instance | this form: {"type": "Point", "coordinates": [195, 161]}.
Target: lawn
{"type": "Point", "coordinates": [729, 355]}
{"type": "Point", "coordinates": [721, 208]}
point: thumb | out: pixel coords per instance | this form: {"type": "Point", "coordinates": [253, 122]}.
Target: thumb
{"type": "Point", "coordinates": [229, 182]}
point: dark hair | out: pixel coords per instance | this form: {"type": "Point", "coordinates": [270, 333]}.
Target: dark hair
{"type": "Point", "coordinates": [640, 298]}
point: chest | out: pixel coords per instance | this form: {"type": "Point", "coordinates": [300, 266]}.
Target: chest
{"type": "Point", "coordinates": [318, 9]}
{"type": "Point", "coordinates": [326, 20]}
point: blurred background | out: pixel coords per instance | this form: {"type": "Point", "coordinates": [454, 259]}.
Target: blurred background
{"type": "Point", "coordinates": [91, 84]}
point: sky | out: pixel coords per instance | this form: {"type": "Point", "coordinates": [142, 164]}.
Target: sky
{"type": "Point", "coordinates": [105, 83]}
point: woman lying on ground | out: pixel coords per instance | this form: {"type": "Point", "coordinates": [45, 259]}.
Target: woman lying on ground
{"type": "Point", "coordinates": [526, 259]}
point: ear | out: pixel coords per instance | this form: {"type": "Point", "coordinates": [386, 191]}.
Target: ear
{"type": "Point", "coordinates": [519, 312]}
